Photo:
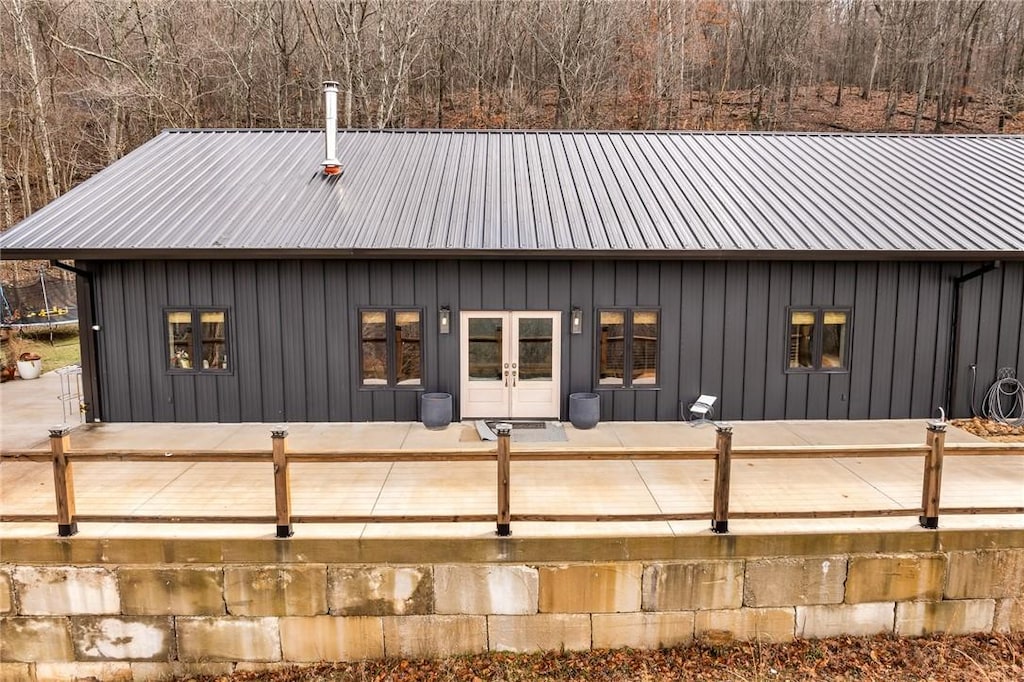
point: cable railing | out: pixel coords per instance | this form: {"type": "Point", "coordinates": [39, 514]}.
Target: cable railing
{"type": "Point", "coordinates": [932, 452]}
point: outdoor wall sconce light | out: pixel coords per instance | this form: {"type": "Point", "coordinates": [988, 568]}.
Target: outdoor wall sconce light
{"type": "Point", "coordinates": [576, 321]}
{"type": "Point", "coordinates": [444, 320]}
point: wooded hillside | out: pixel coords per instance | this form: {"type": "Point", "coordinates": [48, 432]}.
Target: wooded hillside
{"type": "Point", "coordinates": [84, 82]}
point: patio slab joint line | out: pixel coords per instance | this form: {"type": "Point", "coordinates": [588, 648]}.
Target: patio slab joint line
{"type": "Point", "coordinates": [138, 508]}
{"type": "Point", "coordinates": [376, 501]}
{"type": "Point", "coordinates": [650, 492]}
{"type": "Point", "coordinates": [785, 425]}
{"type": "Point", "coordinates": [886, 495]}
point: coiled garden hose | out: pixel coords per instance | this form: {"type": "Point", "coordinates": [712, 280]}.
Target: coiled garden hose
{"type": "Point", "coordinates": [1004, 401]}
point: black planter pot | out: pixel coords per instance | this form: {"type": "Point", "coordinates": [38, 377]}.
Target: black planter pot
{"type": "Point", "coordinates": [584, 410]}
{"type": "Point", "coordinates": [436, 410]}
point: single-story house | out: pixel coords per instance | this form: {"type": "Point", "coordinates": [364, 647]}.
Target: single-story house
{"type": "Point", "coordinates": [238, 275]}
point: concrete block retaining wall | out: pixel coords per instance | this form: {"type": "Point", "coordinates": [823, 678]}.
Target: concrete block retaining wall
{"type": "Point", "coordinates": [126, 620]}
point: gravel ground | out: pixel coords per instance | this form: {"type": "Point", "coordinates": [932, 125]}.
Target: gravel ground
{"type": "Point", "coordinates": [987, 658]}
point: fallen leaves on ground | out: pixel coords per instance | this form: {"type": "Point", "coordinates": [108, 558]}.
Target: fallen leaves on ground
{"type": "Point", "coordinates": [989, 657]}
{"type": "Point", "coordinates": [989, 429]}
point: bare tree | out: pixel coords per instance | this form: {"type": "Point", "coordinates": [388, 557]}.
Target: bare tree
{"type": "Point", "coordinates": [578, 39]}
{"type": "Point", "coordinates": [21, 21]}
{"type": "Point", "coordinates": [1009, 86]}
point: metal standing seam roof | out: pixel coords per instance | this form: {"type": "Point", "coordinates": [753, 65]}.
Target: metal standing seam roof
{"type": "Point", "coordinates": [261, 193]}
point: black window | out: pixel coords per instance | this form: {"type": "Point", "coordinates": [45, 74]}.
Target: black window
{"type": "Point", "coordinates": [818, 340]}
{"type": "Point", "coordinates": [197, 339]}
{"type": "Point", "coordinates": [627, 348]}
{"type": "Point", "coordinates": [390, 348]}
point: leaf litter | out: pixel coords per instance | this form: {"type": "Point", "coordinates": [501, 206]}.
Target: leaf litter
{"type": "Point", "coordinates": [974, 658]}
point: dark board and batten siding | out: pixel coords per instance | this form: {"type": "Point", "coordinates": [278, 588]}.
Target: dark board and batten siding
{"type": "Point", "coordinates": [294, 334]}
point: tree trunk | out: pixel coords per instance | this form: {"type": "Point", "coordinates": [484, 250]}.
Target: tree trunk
{"type": "Point", "coordinates": [25, 175]}
{"type": "Point", "coordinates": [922, 91]}
{"type": "Point", "coordinates": [440, 83]}
{"type": "Point", "coordinates": [966, 77]}
{"type": "Point", "coordinates": [5, 192]}
{"type": "Point", "coordinates": [866, 92]}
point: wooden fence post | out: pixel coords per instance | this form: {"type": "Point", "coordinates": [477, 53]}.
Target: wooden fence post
{"type": "Point", "coordinates": [723, 471]}
{"type": "Point", "coordinates": [504, 432]}
{"type": "Point", "coordinates": [932, 486]}
{"type": "Point", "coordinates": [282, 483]}
{"type": "Point", "coordinates": [63, 481]}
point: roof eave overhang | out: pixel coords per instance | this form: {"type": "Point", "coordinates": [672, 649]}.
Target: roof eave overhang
{"type": "Point", "coordinates": [101, 254]}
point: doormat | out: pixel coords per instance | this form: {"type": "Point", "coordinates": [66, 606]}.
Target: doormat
{"type": "Point", "coordinates": [523, 425]}
{"type": "Point", "coordinates": [525, 432]}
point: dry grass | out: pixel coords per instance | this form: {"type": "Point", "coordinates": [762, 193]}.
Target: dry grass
{"type": "Point", "coordinates": [988, 657]}
{"type": "Point", "coordinates": [64, 351]}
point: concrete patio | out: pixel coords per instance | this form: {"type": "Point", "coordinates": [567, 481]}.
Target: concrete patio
{"type": "Point", "coordinates": [30, 408]}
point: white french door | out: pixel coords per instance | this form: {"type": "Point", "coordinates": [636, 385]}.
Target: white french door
{"type": "Point", "coordinates": [510, 364]}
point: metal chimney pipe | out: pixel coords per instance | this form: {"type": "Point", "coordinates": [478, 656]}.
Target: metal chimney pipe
{"type": "Point", "coordinates": [331, 164]}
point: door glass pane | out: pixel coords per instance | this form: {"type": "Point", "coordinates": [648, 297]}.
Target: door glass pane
{"type": "Point", "coordinates": [485, 334]}
{"type": "Point", "coordinates": [801, 339]}
{"type": "Point", "coordinates": [373, 334]}
{"type": "Point", "coordinates": [408, 362]}
{"type": "Point", "coordinates": [645, 347]}
{"type": "Point", "coordinates": [535, 349]}
{"type": "Point", "coordinates": [179, 339]}
{"type": "Point", "coordinates": [612, 348]}
{"type": "Point", "coordinates": [214, 338]}
{"type": "Point", "coordinates": [833, 339]}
